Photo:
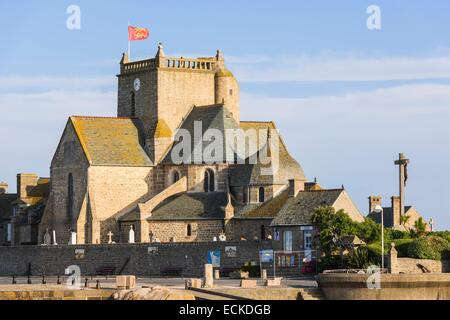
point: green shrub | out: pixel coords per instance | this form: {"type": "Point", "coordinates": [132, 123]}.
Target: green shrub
{"type": "Point", "coordinates": [394, 234]}
{"type": "Point", "coordinates": [402, 245]}
{"type": "Point", "coordinates": [361, 258]}
{"type": "Point", "coordinates": [434, 248]}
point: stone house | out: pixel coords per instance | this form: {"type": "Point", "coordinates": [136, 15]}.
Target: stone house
{"type": "Point", "coordinates": [392, 214]}
{"type": "Point", "coordinates": [21, 212]}
{"type": "Point", "coordinates": [292, 226]}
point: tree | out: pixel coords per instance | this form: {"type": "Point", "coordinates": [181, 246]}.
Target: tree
{"type": "Point", "coordinates": [331, 227]}
{"type": "Point", "coordinates": [404, 219]}
{"type": "Point", "coordinates": [420, 227]}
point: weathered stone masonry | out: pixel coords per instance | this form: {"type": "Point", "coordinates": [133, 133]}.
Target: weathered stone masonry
{"type": "Point", "coordinates": [190, 257]}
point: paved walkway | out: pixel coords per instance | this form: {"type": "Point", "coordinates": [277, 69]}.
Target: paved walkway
{"type": "Point", "coordinates": [110, 283]}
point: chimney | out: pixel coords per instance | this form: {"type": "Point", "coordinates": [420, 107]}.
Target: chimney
{"type": "Point", "coordinates": [25, 181]}
{"type": "Point", "coordinates": [3, 188]}
{"type": "Point", "coordinates": [395, 211]}
{"type": "Point", "coordinates": [373, 202]}
{"type": "Point", "coordinates": [295, 186]}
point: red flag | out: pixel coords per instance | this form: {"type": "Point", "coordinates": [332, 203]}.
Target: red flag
{"type": "Point", "coordinates": [135, 33]}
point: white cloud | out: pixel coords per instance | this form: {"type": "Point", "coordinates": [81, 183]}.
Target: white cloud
{"type": "Point", "coordinates": [41, 82]}
{"type": "Point", "coordinates": [337, 67]}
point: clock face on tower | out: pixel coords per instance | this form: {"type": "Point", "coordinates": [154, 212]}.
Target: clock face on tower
{"type": "Point", "coordinates": [137, 84]}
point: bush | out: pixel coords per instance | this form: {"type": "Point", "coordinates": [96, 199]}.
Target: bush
{"type": "Point", "coordinates": [434, 248]}
{"type": "Point", "coordinates": [402, 245]}
{"type": "Point", "coordinates": [331, 262]}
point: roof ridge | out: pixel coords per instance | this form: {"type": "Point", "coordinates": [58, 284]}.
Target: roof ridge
{"type": "Point", "coordinates": [98, 117]}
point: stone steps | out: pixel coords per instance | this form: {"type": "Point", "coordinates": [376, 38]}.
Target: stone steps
{"type": "Point", "coordinates": [312, 294]}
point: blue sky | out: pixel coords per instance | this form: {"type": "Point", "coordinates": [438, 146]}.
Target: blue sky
{"type": "Point", "coordinates": [346, 99]}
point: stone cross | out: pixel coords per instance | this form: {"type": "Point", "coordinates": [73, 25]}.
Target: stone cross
{"type": "Point", "coordinates": [110, 234]}
{"type": "Point", "coordinates": [402, 163]}
{"type": "Point", "coordinates": [131, 235]}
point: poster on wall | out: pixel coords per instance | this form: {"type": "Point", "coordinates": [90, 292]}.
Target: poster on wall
{"type": "Point", "coordinates": [214, 258]}
{"type": "Point", "coordinates": [231, 252]}
{"type": "Point", "coordinates": [152, 250]}
{"type": "Point", "coordinates": [79, 254]}
{"type": "Point", "coordinates": [266, 256]}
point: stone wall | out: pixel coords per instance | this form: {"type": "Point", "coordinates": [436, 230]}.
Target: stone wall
{"type": "Point", "coordinates": [190, 258]}
{"type": "Point", "coordinates": [176, 231]}
{"type": "Point", "coordinates": [414, 266]}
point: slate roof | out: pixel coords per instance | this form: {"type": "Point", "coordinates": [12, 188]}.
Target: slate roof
{"type": "Point", "coordinates": [298, 210]}
{"type": "Point", "coordinates": [187, 206]}
{"type": "Point", "coordinates": [388, 215]}
{"type": "Point", "coordinates": [111, 141]}
{"type": "Point", "coordinates": [211, 117]}
{"type": "Point", "coordinates": [266, 210]}
{"type": "Point", "coordinates": [248, 174]}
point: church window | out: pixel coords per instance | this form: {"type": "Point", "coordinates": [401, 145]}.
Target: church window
{"type": "Point", "coordinates": [175, 176]}
{"type": "Point", "coordinates": [208, 181]}
{"type": "Point", "coordinates": [133, 104]}
{"type": "Point", "coordinates": [188, 230]}
{"type": "Point", "coordinates": [70, 196]}
{"type": "Point", "coordinates": [261, 195]}
{"type": "Point", "coordinates": [231, 92]}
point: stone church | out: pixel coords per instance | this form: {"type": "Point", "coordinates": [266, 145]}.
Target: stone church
{"type": "Point", "coordinates": [113, 175]}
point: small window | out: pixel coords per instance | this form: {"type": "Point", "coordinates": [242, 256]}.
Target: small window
{"type": "Point", "coordinates": [174, 177]}
{"type": "Point", "coordinates": [188, 230]}
{"type": "Point", "coordinates": [133, 105]}
{"type": "Point", "coordinates": [263, 232]}
{"type": "Point", "coordinates": [8, 232]}
{"type": "Point", "coordinates": [209, 181]}
{"type": "Point", "coordinates": [261, 195]}
{"type": "Point", "coordinates": [231, 92]}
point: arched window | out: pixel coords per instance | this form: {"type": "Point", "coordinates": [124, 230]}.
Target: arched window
{"type": "Point", "coordinates": [208, 182]}
{"type": "Point", "coordinates": [133, 104]}
{"type": "Point", "coordinates": [188, 230]}
{"type": "Point", "coordinates": [261, 195]}
{"type": "Point", "coordinates": [175, 176]}
{"type": "Point", "coordinates": [70, 196]}
{"type": "Point", "coordinates": [263, 232]}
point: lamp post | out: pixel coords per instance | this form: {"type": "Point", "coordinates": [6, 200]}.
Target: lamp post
{"type": "Point", "coordinates": [379, 209]}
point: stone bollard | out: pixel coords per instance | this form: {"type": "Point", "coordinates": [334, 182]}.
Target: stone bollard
{"type": "Point", "coordinates": [247, 283]}
{"type": "Point", "coordinates": [216, 274]}
{"type": "Point", "coordinates": [209, 279]}
{"type": "Point", "coordinates": [126, 282]}
{"type": "Point", "coordinates": [393, 260]}
{"type": "Point", "coordinates": [264, 274]}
